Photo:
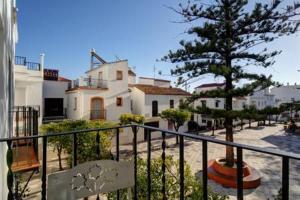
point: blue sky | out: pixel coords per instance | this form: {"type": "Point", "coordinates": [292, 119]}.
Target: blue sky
{"type": "Point", "coordinates": [138, 30]}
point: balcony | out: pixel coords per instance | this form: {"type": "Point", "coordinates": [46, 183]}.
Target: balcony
{"type": "Point", "coordinates": [20, 60]}
{"type": "Point", "coordinates": [153, 148]}
{"type": "Point", "coordinates": [90, 83]}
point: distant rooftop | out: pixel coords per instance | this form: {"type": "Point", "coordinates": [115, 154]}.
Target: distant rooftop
{"type": "Point", "coordinates": [150, 89]}
{"type": "Point", "coordinates": [211, 85]}
{"type": "Point", "coordinates": [155, 79]}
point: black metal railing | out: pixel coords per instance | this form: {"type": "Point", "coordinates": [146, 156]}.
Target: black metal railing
{"type": "Point", "coordinates": [25, 120]}
{"type": "Point", "coordinates": [286, 157]}
{"type": "Point", "coordinates": [20, 60]}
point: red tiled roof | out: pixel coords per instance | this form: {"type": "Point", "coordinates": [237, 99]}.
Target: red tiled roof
{"type": "Point", "coordinates": [211, 85]}
{"type": "Point", "coordinates": [149, 89]}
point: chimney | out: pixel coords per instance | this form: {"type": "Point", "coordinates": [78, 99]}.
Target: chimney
{"type": "Point", "coordinates": [92, 58]}
{"type": "Point", "coordinates": [42, 63]}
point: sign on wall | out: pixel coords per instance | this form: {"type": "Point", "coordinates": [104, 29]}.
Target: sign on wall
{"type": "Point", "coordinates": [51, 74]}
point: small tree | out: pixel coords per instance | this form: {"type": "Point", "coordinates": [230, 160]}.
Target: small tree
{"type": "Point", "coordinates": [250, 113]}
{"type": "Point", "coordinates": [216, 114]}
{"type": "Point", "coordinates": [128, 118]}
{"type": "Point", "coordinates": [177, 117]}
{"type": "Point", "coordinates": [86, 147]}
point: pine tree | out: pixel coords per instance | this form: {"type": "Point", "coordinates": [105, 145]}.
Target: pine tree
{"type": "Point", "coordinates": [225, 34]}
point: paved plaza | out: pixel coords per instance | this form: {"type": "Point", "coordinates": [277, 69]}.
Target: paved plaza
{"type": "Point", "coordinates": [272, 137]}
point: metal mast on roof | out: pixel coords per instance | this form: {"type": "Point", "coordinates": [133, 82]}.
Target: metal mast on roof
{"type": "Point", "coordinates": [96, 59]}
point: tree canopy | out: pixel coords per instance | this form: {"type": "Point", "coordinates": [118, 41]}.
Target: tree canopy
{"type": "Point", "coordinates": [229, 37]}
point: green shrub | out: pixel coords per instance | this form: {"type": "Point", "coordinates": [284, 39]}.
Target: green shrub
{"type": "Point", "coordinates": [129, 118]}
{"type": "Point", "coordinates": [86, 146]}
{"type": "Point", "coordinates": [193, 187]}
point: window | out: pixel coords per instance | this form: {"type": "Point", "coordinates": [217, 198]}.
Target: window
{"type": "Point", "coordinates": [154, 108]}
{"type": "Point", "coordinates": [119, 101]}
{"type": "Point", "coordinates": [204, 121]}
{"type": "Point", "coordinates": [217, 103]}
{"type": "Point", "coordinates": [75, 103]}
{"type": "Point", "coordinates": [119, 75]}
{"type": "Point", "coordinates": [171, 103]}
{"type": "Point", "coordinates": [203, 102]}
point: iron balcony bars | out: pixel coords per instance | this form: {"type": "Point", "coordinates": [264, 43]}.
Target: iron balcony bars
{"type": "Point", "coordinates": [94, 82]}
{"type": "Point", "coordinates": [20, 60]}
{"type": "Point", "coordinates": [182, 136]}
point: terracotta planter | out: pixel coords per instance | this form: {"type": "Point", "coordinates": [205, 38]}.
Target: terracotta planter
{"type": "Point", "coordinates": [219, 167]}
{"type": "Point", "coordinates": [227, 176]}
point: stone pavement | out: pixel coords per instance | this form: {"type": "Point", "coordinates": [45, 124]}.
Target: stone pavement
{"type": "Point", "coordinates": [272, 137]}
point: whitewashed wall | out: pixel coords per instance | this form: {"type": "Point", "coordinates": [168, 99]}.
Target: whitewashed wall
{"type": "Point", "coordinates": [131, 79]}
{"type": "Point", "coordinates": [163, 102]}
{"type": "Point", "coordinates": [211, 102]}
{"type": "Point", "coordinates": [138, 101]}
{"type": "Point", "coordinates": [286, 93]}
{"type": "Point", "coordinates": [261, 99]}
{"type": "Point", "coordinates": [116, 88]}
{"type": "Point", "coordinates": [8, 38]}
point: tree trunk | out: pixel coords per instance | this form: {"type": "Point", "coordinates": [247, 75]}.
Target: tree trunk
{"type": "Point", "coordinates": [269, 120]}
{"type": "Point", "coordinates": [241, 124]}
{"type": "Point", "coordinates": [228, 84]}
{"type": "Point", "coordinates": [213, 131]}
{"type": "Point", "coordinates": [59, 151]}
{"type": "Point", "coordinates": [228, 125]}
{"type": "Point", "coordinates": [177, 138]}
{"type": "Point", "coordinates": [249, 123]}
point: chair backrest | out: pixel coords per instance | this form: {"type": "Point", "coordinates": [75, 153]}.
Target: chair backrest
{"type": "Point", "coordinates": [90, 178]}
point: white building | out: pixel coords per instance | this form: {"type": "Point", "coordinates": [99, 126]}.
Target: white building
{"type": "Point", "coordinates": [8, 39]}
{"type": "Point", "coordinates": [103, 93]}
{"type": "Point", "coordinates": [286, 93]}
{"type": "Point", "coordinates": [261, 99]}
{"type": "Point", "coordinates": [238, 103]}
{"type": "Point", "coordinates": [40, 88]}
{"type": "Point", "coordinates": [151, 96]}
{"type": "Point", "coordinates": [29, 82]}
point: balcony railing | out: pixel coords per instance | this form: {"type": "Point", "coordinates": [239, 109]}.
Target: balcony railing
{"type": "Point", "coordinates": [91, 82]}
{"type": "Point", "coordinates": [286, 157]}
{"type": "Point", "coordinates": [20, 60]}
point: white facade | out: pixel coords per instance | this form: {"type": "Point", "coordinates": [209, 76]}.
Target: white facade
{"type": "Point", "coordinates": [286, 94]}
{"type": "Point", "coordinates": [143, 96]}
{"type": "Point", "coordinates": [106, 87]}
{"type": "Point", "coordinates": [238, 103]}
{"type": "Point", "coordinates": [29, 83]}
{"type": "Point", "coordinates": [8, 39]}
{"type": "Point", "coordinates": [261, 99]}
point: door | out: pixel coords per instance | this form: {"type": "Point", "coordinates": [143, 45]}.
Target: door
{"type": "Point", "coordinates": [54, 107]}
{"type": "Point", "coordinates": [97, 108]}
